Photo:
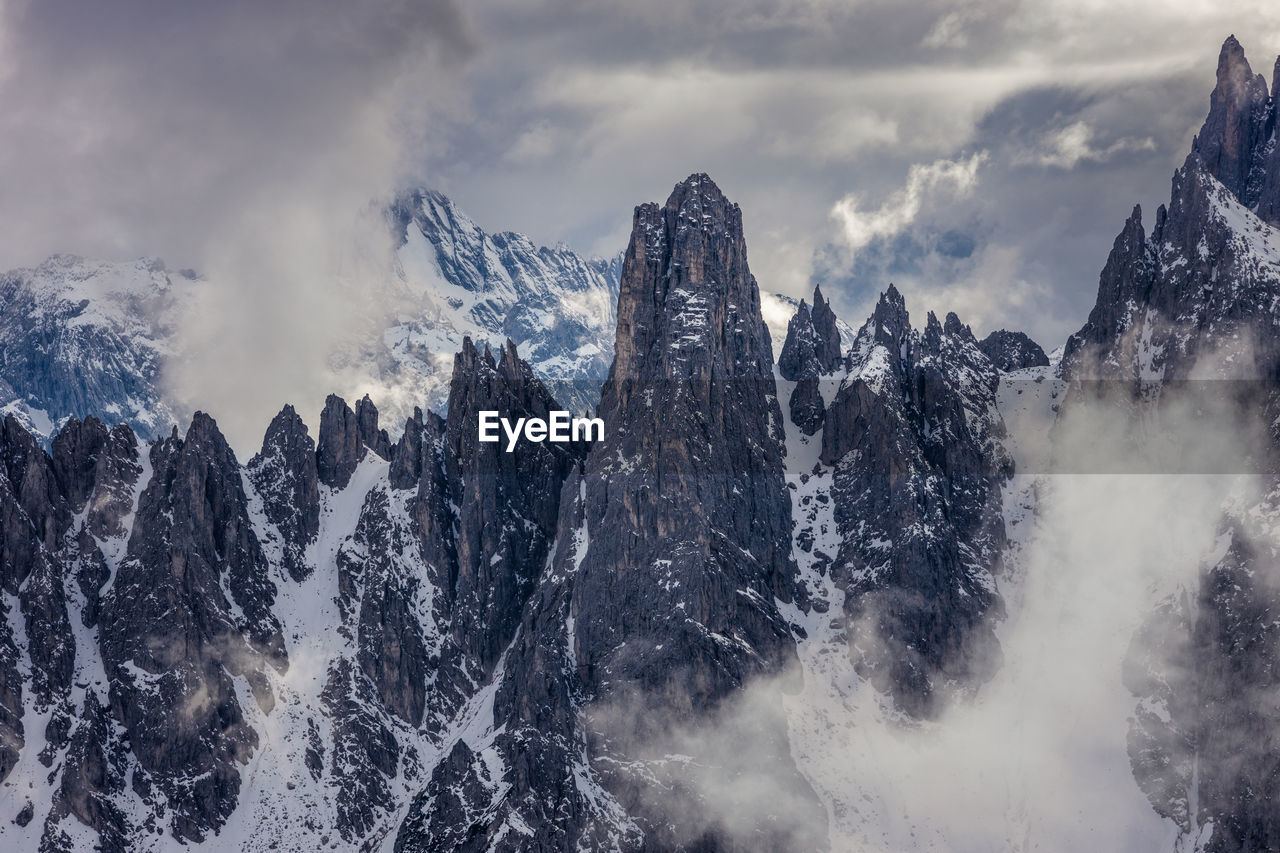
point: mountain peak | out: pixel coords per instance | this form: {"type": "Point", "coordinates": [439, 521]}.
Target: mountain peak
{"type": "Point", "coordinates": [890, 321]}
{"type": "Point", "coordinates": [695, 194]}
{"type": "Point", "coordinates": [1231, 57]}
{"type": "Point", "coordinates": [1236, 143]}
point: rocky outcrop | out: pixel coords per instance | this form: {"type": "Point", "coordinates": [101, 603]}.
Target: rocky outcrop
{"type": "Point", "coordinates": [813, 341]}
{"type": "Point", "coordinates": [913, 437]}
{"type": "Point", "coordinates": [1192, 300]}
{"type": "Point", "coordinates": [189, 611]}
{"type": "Point", "coordinates": [1011, 351]}
{"type": "Point", "coordinates": [286, 475]}
{"type": "Point", "coordinates": [1237, 144]}
{"type": "Point", "coordinates": [690, 398]}
{"type": "Point", "coordinates": [506, 505]}
{"type": "Point", "coordinates": [498, 564]}
{"type": "Point", "coordinates": [686, 492]}
{"type": "Point", "coordinates": [1193, 296]}
{"type": "Point", "coordinates": [34, 517]}
{"type": "Point", "coordinates": [407, 456]}
{"type": "Point", "coordinates": [367, 424]}
{"type": "Point", "coordinates": [340, 446]}
{"type": "Point", "coordinates": [811, 349]}
{"type": "Point", "coordinates": [93, 780]}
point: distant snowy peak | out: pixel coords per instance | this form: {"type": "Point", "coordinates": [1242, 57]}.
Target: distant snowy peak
{"type": "Point", "coordinates": [557, 306]}
{"type": "Point", "coordinates": [80, 337]}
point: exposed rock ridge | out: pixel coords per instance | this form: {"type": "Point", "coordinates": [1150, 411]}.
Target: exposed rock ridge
{"type": "Point", "coordinates": [812, 349]}
{"type": "Point", "coordinates": [914, 438]}
{"type": "Point", "coordinates": [1011, 351]}
{"type": "Point", "coordinates": [686, 492]}
{"type": "Point", "coordinates": [1195, 299]}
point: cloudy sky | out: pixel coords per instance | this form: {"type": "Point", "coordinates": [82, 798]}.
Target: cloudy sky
{"type": "Point", "coordinates": [981, 154]}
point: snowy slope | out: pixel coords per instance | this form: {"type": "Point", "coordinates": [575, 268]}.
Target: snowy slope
{"type": "Point", "coordinates": [80, 337]}
{"type": "Point", "coordinates": [557, 306]}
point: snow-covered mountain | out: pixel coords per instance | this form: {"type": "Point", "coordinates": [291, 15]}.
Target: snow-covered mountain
{"type": "Point", "coordinates": [80, 337]}
{"type": "Point", "coordinates": [429, 644]}
{"type": "Point", "coordinates": [788, 602]}
{"type": "Point", "coordinates": [555, 305]}
{"type": "Point", "coordinates": [83, 337]}
{"type": "Point", "coordinates": [1188, 319]}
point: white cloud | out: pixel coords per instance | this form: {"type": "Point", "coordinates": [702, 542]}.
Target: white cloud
{"type": "Point", "coordinates": [859, 227]}
{"type": "Point", "coordinates": [1070, 145]}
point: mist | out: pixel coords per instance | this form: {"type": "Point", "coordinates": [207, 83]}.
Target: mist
{"type": "Point", "coordinates": [251, 143]}
{"type": "Point", "coordinates": [1038, 757]}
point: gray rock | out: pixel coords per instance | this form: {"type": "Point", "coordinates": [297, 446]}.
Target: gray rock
{"type": "Point", "coordinates": [286, 474]}
{"type": "Point", "coordinates": [189, 609]}
{"type": "Point", "coordinates": [686, 493]}
{"type": "Point", "coordinates": [341, 446]}
{"type": "Point", "coordinates": [917, 472]}
{"type": "Point", "coordinates": [1012, 351]}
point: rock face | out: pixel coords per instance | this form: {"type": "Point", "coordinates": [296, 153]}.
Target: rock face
{"type": "Point", "coordinates": [686, 492]}
{"type": "Point", "coordinates": [1198, 287]}
{"type": "Point", "coordinates": [507, 509]}
{"type": "Point", "coordinates": [442, 645]}
{"type": "Point", "coordinates": [813, 341]}
{"type": "Point", "coordinates": [189, 610]}
{"type": "Point", "coordinates": [1237, 144]}
{"type": "Point", "coordinates": [1193, 299]}
{"type": "Point", "coordinates": [913, 438]}
{"type": "Point", "coordinates": [286, 473]}
{"type": "Point", "coordinates": [691, 350]}
{"type": "Point", "coordinates": [340, 447]}
{"type": "Point", "coordinates": [811, 350]}
{"type": "Point", "coordinates": [435, 644]}
{"type": "Point", "coordinates": [1011, 351]}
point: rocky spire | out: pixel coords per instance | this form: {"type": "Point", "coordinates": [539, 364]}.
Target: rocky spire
{"type": "Point", "coordinates": [811, 349]}
{"type": "Point", "coordinates": [498, 563]}
{"type": "Point", "coordinates": [686, 489]}
{"type": "Point", "coordinates": [1126, 280]}
{"type": "Point", "coordinates": [826, 333]}
{"type": "Point", "coordinates": [367, 421]}
{"type": "Point", "coordinates": [910, 436]}
{"type": "Point", "coordinates": [190, 609]}
{"type": "Point", "coordinates": [673, 536]}
{"type": "Point", "coordinates": [890, 325]}
{"type": "Point", "coordinates": [797, 357]}
{"type": "Point", "coordinates": [339, 449]}
{"type": "Point", "coordinates": [406, 456]}
{"type": "Point", "coordinates": [693, 377]}
{"type": "Point", "coordinates": [812, 345]}
{"type": "Point", "coordinates": [1237, 142]}
{"type": "Point", "coordinates": [286, 475]}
